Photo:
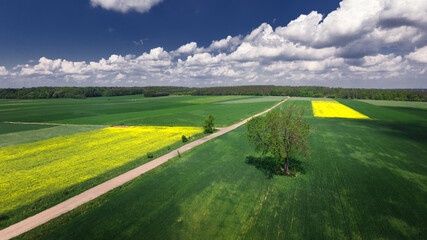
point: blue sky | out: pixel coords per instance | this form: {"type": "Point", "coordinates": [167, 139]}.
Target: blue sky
{"type": "Point", "coordinates": [349, 43]}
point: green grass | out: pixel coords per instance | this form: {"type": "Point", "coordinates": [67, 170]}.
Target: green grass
{"type": "Point", "coordinates": [252, 100]}
{"type": "Point", "coordinates": [388, 114]}
{"type": "Point", "coordinates": [38, 134]}
{"type": "Point", "coordinates": [6, 128]}
{"type": "Point", "coordinates": [132, 110]}
{"type": "Point", "coordinates": [213, 99]}
{"type": "Point", "coordinates": [366, 179]}
{"type": "Point", "coordinates": [127, 110]}
{"type": "Point", "coordinates": [396, 103]}
{"type": "Point", "coordinates": [311, 99]}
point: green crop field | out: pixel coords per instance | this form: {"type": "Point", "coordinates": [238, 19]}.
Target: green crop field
{"type": "Point", "coordinates": [396, 103]}
{"type": "Point", "coordinates": [68, 125]}
{"type": "Point", "coordinates": [35, 132]}
{"type": "Point", "coordinates": [134, 110]}
{"type": "Point", "coordinates": [6, 128]}
{"type": "Point", "coordinates": [365, 179]}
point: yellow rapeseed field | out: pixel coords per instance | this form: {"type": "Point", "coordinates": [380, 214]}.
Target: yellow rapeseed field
{"type": "Point", "coordinates": [331, 109]}
{"type": "Point", "coordinates": [31, 171]}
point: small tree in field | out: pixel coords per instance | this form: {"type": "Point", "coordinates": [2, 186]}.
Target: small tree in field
{"type": "Point", "coordinates": [281, 133]}
{"type": "Point", "coordinates": [208, 126]}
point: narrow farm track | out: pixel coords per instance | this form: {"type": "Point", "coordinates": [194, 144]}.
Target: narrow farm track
{"type": "Point", "coordinates": [74, 202]}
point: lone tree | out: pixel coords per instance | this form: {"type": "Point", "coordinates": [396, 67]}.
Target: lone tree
{"type": "Point", "coordinates": [281, 133]}
{"type": "Point", "coordinates": [208, 126]}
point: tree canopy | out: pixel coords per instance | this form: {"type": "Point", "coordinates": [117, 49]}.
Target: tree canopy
{"type": "Point", "coordinates": [261, 90]}
{"type": "Point", "coordinates": [281, 133]}
{"type": "Point", "coordinates": [208, 126]}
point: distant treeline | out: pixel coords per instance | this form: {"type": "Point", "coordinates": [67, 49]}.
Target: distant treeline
{"type": "Point", "coordinates": [310, 91]}
{"type": "Point", "coordinates": [152, 93]}
{"type": "Point", "coordinates": [260, 90]}
{"type": "Point", "coordinates": [85, 92]}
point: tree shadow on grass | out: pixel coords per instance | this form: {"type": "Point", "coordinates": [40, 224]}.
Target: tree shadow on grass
{"type": "Point", "coordinates": [271, 166]}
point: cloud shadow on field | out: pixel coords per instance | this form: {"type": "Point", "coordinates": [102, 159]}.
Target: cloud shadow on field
{"type": "Point", "coordinates": [271, 166]}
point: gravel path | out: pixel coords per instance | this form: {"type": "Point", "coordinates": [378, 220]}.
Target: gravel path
{"type": "Point", "coordinates": [68, 205]}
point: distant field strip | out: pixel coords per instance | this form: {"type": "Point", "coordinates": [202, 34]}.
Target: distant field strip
{"type": "Point", "coordinates": [422, 105]}
{"type": "Point", "coordinates": [15, 138]}
{"type": "Point", "coordinates": [201, 100]}
{"type": "Point", "coordinates": [311, 99]}
{"type": "Point", "coordinates": [134, 110]}
{"type": "Point", "coordinates": [253, 100]}
{"type": "Point", "coordinates": [6, 128]}
{"type": "Point", "coordinates": [329, 109]}
{"type": "Point", "coordinates": [31, 171]}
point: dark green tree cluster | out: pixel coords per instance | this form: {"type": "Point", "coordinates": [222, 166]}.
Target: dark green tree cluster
{"type": "Point", "coordinates": [155, 94]}
{"type": "Point", "coordinates": [253, 90]}
{"type": "Point", "coordinates": [209, 126]}
{"type": "Point", "coordinates": [281, 133]}
{"type": "Point", "coordinates": [85, 92]}
{"type": "Point", "coordinates": [315, 91]}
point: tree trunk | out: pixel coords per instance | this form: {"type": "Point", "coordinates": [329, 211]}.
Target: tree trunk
{"type": "Point", "coordinates": [287, 165]}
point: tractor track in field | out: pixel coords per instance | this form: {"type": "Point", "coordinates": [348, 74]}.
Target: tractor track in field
{"type": "Point", "coordinates": [92, 193]}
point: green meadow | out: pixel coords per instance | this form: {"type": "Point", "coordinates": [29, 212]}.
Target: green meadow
{"type": "Point", "coordinates": [35, 132]}
{"type": "Point", "coordinates": [61, 118]}
{"type": "Point", "coordinates": [404, 104]}
{"type": "Point", "coordinates": [135, 110]}
{"type": "Point", "coordinates": [6, 128]}
{"type": "Point", "coordinates": [365, 179]}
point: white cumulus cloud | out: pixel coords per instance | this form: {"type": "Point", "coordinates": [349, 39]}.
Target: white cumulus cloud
{"type": "Point", "coordinates": [227, 44]}
{"type": "Point", "coordinates": [3, 71]}
{"type": "Point", "coordinates": [419, 55]}
{"type": "Point", "coordinates": [126, 5]}
{"type": "Point", "coordinates": [187, 48]}
{"type": "Point", "coordinates": [363, 43]}
{"type": "Point", "coordinates": [381, 23]}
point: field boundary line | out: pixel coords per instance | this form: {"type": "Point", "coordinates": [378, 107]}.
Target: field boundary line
{"type": "Point", "coordinates": [92, 193]}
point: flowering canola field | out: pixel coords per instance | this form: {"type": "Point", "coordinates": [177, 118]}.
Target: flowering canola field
{"type": "Point", "coordinates": [331, 109]}
{"type": "Point", "coordinates": [31, 171]}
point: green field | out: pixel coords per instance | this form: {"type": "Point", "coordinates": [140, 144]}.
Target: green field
{"type": "Point", "coordinates": [366, 179]}
{"type": "Point", "coordinates": [311, 99]}
{"type": "Point", "coordinates": [35, 133]}
{"type": "Point", "coordinates": [396, 103]}
{"type": "Point", "coordinates": [134, 110]}
{"type": "Point", "coordinates": [31, 139]}
{"type": "Point", "coordinates": [6, 128]}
